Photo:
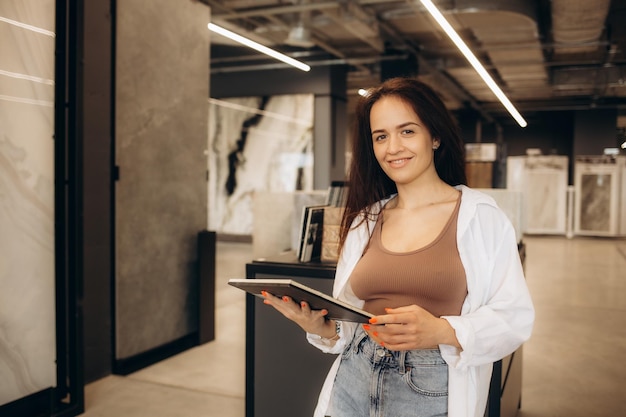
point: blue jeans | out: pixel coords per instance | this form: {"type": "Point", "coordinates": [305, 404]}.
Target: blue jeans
{"type": "Point", "coordinates": [375, 382]}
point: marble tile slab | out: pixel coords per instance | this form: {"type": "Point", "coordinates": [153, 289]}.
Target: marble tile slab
{"type": "Point", "coordinates": [543, 182]}
{"type": "Point", "coordinates": [256, 144]}
{"type": "Point", "coordinates": [277, 217]}
{"type": "Point", "coordinates": [598, 185]}
{"type": "Point", "coordinates": [511, 204]}
{"type": "Point", "coordinates": [27, 270]}
{"type": "Point", "coordinates": [161, 194]}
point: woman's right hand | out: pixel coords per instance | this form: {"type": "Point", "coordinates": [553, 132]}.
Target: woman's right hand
{"type": "Point", "coordinates": [311, 321]}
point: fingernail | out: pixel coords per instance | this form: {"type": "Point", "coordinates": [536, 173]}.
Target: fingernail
{"type": "Point", "coordinates": [266, 301]}
{"type": "Point", "coordinates": [373, 320]}
{"type": "Point", "coordinates": [285, 298]}
{"type": "Point", "coordinates": [366, 326]}
{"type": "Point", "coordinates": [387, 310]}
{"type": "Point", "coordinates": [375, 334]}
{"type": "Point", "coordinates": [264, 293]}
{"type": "Point", "coordinates": [303, 304]}
{"type": "Point", "coordinates": [382, 343]}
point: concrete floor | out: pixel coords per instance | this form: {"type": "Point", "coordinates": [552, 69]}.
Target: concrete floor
{"type": "Point", "coordinates": [574, 364]}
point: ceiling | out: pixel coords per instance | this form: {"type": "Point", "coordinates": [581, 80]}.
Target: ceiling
{"type": "Point", "coordinates": [544, 54]}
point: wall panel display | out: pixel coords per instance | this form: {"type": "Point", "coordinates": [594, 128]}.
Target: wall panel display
{"type": "Point", "coordinates": [160, 197]}
{"type": "Point", "coordinates": [600, 190]}
{"type": "Point", "coordinates": [542, 179]}
{"type": "Point", "coordinates": [256, 144]}
{"type": "Point", "coordinates": [27, 271]}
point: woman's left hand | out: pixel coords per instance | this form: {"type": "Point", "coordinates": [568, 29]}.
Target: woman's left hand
{"type": "Point", "coordinates": [410, 327]}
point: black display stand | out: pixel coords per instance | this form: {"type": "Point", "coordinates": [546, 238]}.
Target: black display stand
{"type": "Point", "coordinates": [284, 373]}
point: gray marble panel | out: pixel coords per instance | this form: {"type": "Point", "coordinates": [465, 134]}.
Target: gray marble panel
{"type": "Point", "coordinates": [161, 198]}
{"type": "Point", "coordinates": [27, 274]}
{"type": "Point", "coordinates": [256, 144]}
{"type": "Point", "coordinates": [598, 209]}
{"type": "Point", "coordinates": [595, 199]}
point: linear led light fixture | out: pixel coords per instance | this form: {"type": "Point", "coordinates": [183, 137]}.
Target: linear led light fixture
{"type": "Point", "coordinates": [258, 47]}
{"type": "Point", "coordinates": [436, 14]}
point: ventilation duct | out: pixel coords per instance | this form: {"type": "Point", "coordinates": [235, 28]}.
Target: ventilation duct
{"type": "Point", "coordinates": [576, 23]}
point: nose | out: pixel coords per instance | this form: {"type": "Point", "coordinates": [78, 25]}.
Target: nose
{"type": "Point", "coordinates": [395, 144]}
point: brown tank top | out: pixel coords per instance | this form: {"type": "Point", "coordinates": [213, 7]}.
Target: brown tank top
{"type": "Point", "coordinates": [432, 277]}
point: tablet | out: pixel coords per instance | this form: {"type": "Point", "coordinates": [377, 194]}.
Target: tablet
{"type": "Point", "coordinates": [337, 309]}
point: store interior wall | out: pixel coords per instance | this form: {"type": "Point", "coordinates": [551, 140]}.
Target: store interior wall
{"type": "Point", "coordinates": [594, 130]}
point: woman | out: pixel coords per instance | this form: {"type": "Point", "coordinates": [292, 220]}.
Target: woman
{"type": "Point", "coordinates": [435, 261]}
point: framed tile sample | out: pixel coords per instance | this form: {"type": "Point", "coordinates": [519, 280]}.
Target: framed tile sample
{"type": "Point", "coordinates": [597, 195]}
{"type": "Point", "coordinates": [542, 179]}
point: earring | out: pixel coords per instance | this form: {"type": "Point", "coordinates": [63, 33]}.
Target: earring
{"type": "Point", "coordinates": [435, 147]}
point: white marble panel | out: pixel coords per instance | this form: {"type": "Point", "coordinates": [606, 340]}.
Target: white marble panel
{"type": "Point", "coordinates": [622, 202]}
{"type": "Point", "coordinates": [543, 181]}
{"type": "Point", "coordinates": [546, 186]}
{"type": "Point", "coordinates": [271, 232]}
{"type": "Point", "coordinates": [256, 144]}
{"type": "Point", "coordinates": [27, 274]}
{"type": "Point", "coordinates": [511, 204]}
{"type": "Point", "coordinates": [515, 172]}
{"type": "Point", "coordinates": [277, 218]}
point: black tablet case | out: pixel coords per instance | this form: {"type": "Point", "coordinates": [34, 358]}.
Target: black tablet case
{"type": "Point", "coordinates": [337, 310]}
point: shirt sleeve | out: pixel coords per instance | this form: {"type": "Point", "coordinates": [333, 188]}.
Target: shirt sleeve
{"type": "Point", "coordinates": [346, 330]}
{"type": "Point", "coordinates": [498, 314]}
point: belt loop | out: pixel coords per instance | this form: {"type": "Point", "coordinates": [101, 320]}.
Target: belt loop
{"type": "Point", "coordinates": [401, 360]}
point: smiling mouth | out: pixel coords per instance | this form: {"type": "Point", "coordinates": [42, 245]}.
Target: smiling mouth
{"type": "Point", "coordinates": [398, 161]}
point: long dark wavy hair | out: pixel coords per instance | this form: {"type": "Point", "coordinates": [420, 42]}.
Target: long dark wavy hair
{"type": "Point", "coordinates": [367, 182]}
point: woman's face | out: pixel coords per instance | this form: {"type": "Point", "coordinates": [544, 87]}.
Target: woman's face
{"type": "Point", "coordinates": [402, 144]}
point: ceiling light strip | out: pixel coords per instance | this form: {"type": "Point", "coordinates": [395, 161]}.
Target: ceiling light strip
{"type": "Point", "coordinates": [436, 14]}
{"type": "Point", "coordinates": [258, 47]}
